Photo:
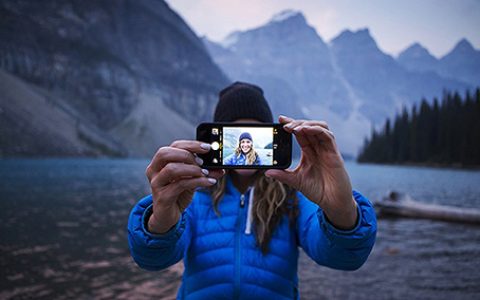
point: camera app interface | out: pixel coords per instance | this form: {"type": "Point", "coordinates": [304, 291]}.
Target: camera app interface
{"type": "Point", "coordinates": [247, 146]}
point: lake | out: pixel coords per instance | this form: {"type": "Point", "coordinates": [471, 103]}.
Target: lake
{"type": "Point", "coordinates": [63, 236]}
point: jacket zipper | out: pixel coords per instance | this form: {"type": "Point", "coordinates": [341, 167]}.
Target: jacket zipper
{"type": "Point", "coordinates": [240, 225]}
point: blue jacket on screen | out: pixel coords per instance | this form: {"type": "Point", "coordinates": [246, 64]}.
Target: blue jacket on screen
{"type": "Point", "coordinates": [240, 160]}
{"type": "Point", "coordinates": [222, 260]}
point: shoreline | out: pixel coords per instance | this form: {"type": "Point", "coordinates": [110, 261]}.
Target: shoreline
{"type": "Point", "coordinates": [294, 159]}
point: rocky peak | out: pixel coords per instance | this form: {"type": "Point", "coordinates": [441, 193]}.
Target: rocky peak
{"type": "Point", "coordinates": [417, 58]}
{"type": "Point", "coordinates": [289, 16]}
{"type": "Point", "coordinates": [416, 50]}
{"type": "Point", "coordinates": [463, 47]}
{"type": "Point", "coordinates": [359, 40]}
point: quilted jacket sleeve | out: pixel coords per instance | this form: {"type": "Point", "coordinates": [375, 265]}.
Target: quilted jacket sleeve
{"type": "Point", "coordinates": [332, 247]}
{"type": "Point", "coordinates": [156, 251]}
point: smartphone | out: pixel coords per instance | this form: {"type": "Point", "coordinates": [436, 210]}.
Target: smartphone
{"type": "Point", "coordinates": [246, 145]}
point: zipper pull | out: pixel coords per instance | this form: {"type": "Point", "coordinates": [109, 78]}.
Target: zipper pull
{"type": "Point", "coordinates": [242, 200]}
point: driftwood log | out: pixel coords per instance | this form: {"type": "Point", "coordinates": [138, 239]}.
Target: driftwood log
{"type": "Point", "coordinates": [402, 205]}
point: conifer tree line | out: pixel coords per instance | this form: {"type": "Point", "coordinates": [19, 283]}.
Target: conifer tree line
{"type": "Point", "coordinates": [445, 132]}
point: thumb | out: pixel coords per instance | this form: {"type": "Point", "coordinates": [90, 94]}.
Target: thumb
{"type": "Point", "coordinates": [284, 176]}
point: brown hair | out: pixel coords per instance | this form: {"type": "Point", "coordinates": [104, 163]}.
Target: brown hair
{"type": "Point", "coordinates": [272, 200]}
{"type": "Point", "coordinates": [251, 155]}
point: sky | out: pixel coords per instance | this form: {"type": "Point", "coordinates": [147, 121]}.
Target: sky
{"type": "Point", "coordinates": [437, 24]}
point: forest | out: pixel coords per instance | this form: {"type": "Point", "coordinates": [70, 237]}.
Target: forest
{"type": "Point", "coordinates": [442, 132]}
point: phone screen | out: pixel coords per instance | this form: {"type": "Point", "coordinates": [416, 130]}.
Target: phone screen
{"type": "Point", "coordinates": [236, 145]}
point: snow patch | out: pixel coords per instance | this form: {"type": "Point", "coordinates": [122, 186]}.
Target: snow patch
{"type": "Point", "coordinates": [231, 39]}
{"type": "Point", "coordinates": [284, 15]}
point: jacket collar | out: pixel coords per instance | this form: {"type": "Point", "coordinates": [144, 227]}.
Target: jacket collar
{"type": "Point", "coordinates": [231, 189]}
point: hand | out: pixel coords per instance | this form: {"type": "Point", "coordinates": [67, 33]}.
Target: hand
{"type": "Point", "coordinates": [174, 173]}
{"type": "Point", "coordinates": [321, 175]}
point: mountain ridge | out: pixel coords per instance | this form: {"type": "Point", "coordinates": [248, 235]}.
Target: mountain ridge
{"type": "Point", "coordinates": [461, 62]}
{"type": "Point", "coordinates": [350, 82]}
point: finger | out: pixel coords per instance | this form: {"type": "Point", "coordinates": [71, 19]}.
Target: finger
{"type": "Point", "coordinates": [289, 121]}
{"type": "Point", "coordinates": [284, 119]}
{"type": "Point", "coordinates": [302, 141]}
{"type": "Point", "coordinates": [314, 144]}
{"type": "Point", "coordinates": [177, 171]}
{"type": "Point", "coordinates": [287, 177]}
{"type": "Point", "coordinates": [296, 123]}
{"type": "Point", "coordinates": [192, 146]}
{"type": "Point", "coordinates": [166, 155]}
{"type": "Point", "coordinates": [192, 183]}
{"type": "Point", "coordinates": [316, 123]}
{"type": "Point", "coordinates": [320, 136]}
{"type": "Point", "coordinates": [291, 125]}
{"type": "Point", "coordinates": [325, 134]}
{"type": "Point", "coordinates": [317, 146]}
{"type": "Point", "coordinates": [306, 146]}
{"type": "Point", "coordinates": [173, 190]}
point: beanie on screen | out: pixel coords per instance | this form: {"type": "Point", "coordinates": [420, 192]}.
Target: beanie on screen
{"type": "Point", "coordinates": [242, 100]}
{"type": "Point", "coordinates": [245, 135]}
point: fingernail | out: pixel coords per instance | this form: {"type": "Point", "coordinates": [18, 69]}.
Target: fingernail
{"type": "Point", "coordinates": [199, 161]}
{"type": "Point", "coordinates": [205, 171]}
{"type": "Point", "coordinates": [297, 129]}
{"type": "Point", "coordinates": [212, 180]}
{"type": "Point", "coordinates": [205, 146]}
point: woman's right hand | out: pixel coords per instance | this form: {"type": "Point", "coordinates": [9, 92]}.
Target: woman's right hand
{"type": "Point", "coordinates": [174, 173]}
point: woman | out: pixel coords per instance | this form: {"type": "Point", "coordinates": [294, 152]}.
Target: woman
{"type": "Point", "coordinates": [238, 233]}
{"type": "Point", "coordinates": [244, 154]}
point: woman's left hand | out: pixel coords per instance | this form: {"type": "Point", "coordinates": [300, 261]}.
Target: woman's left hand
{"type": "Point", "coordinates": [321, 175]}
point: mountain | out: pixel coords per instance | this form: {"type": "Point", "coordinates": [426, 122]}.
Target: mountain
{"type": "Point", "coordinates": [132, 69]}
{"type": "Point", "coordinates": [58, 129]}
{"type": "Point", "coordinates": [289, 60]}
{"type": "Point", "coordinates": [372, 74]}
{"type": "Point", "coordinates": [418, 58]}
{"type": "Point", "coordinates": [348, 82]}
{"type": "Point", "coordinates": [379, 80]}
{"type": "Point", "coordinates": [134, 75]}
{"type": "Point", "coordinates": [462, 62]}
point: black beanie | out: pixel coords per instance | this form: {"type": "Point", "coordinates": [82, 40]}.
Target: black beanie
{"type": "Point", "coordinates": [242, 100]}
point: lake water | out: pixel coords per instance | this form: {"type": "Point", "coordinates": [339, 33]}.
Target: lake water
{"type": "Point", "coordinates": [63, 236]}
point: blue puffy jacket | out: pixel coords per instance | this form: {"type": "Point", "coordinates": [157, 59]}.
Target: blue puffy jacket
{"type": "Point", "coordinates": [220, 255]}
{"type": "Point", "coordinates": [240, 160]}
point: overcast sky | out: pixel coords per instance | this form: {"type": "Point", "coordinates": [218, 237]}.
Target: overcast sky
{"type": "Point", "coordinates": [436, 24]}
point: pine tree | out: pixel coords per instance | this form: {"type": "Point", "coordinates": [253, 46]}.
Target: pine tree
{"type": "Point", "coordinates": [445, 133]}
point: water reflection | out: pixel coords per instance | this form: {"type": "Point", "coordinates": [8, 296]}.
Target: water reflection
{"type": "Point", "coordinates": [63, 236]}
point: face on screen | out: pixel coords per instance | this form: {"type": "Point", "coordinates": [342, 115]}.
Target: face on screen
{"type": "Point", "coordinates": [247, 146]}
